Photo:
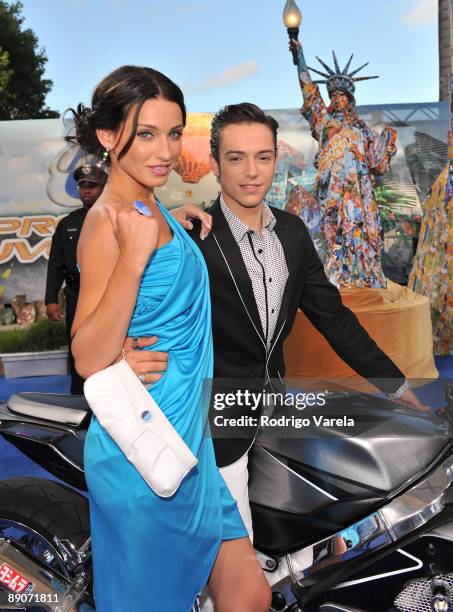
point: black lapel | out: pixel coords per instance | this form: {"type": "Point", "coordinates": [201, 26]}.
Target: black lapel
{"type": "Point", "coordinates": [232, 253]}
{"type": "Point", "coordinates": [281, 229]}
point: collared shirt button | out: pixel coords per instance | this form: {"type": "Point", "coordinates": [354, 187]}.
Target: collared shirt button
{"type": "Point", "coordinates": [270, 280]}
{"type": "Point", "coordinates": [273, 310]}
{"type": "Point", "coordinates": [260, 251]}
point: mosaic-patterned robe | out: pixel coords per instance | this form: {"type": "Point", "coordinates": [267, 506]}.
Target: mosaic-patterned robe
{"type": "Point", "coordinates": [432, 268]}
{"type": "Point", "coordinates": [350, 153]}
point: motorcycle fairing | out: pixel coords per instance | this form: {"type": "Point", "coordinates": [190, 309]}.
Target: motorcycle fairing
{"type": "Point", "coordinates": [331, 480]}
{"type": "Point", "coordinates": [56, 447]}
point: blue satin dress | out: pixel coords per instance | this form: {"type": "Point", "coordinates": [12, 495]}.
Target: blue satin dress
{"type": "Point", "coordinates": [149, 553]}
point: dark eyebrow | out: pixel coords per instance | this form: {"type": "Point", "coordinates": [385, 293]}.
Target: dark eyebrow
{"type": "Point", "coordinates": [258, 153]}
{"type": "Point", "coordinates": [154, 127]}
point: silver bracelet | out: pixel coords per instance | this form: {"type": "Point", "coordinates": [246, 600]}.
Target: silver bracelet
{"type": "Point", "coordinates": [123, 354]}
{"type": "Point", "coordinates": [398, 394]}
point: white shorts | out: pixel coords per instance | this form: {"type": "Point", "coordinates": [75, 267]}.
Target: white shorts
{"type": "Point", "coordinates": [236, 477]}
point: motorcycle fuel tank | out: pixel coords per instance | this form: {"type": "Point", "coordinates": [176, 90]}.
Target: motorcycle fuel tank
{"type": "Point", "coordinates": [306, 483]}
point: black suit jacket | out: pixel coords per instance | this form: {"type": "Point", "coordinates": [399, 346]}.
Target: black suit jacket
{"type": "Point", "coordinates": [239, 346]}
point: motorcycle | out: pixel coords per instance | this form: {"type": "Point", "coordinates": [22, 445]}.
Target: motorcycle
{"type": "Point", "coordinates": [342, 523]}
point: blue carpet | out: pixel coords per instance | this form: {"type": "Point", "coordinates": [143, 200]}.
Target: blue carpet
{"type": "Point", "coordinates": [41, 384]}
{"type": "Point", "coordinates": [12, 462]}
{"type": "Point", "coordinates": [433, 393]}
{"type": "Point", "coordinates": [445, 366]}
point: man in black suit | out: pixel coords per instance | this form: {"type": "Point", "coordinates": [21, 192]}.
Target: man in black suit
{"type": "Point", "coordinates": [263, 267]}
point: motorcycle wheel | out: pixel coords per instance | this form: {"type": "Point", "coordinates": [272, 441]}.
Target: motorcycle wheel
{"type": "Point", "coordinates": [45, 509]}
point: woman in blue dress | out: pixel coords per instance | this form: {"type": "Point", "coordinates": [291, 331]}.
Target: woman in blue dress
{"type": "Point", "coordinates": [138, 273]}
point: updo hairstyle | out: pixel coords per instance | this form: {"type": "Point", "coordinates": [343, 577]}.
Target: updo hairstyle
{"type": "Point", "coordinates": [112, 100]}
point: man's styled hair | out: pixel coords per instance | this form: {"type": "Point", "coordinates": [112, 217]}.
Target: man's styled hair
{"type": "Point", "coordinates": [239, 113]}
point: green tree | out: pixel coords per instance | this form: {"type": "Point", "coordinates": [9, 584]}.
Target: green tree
{"type": "Point", "coordinates": [5, 72]}
{"type": "Point", "coordinates": [23, 89]}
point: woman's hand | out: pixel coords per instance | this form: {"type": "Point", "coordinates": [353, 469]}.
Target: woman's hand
{"type": "Point", "coordinates": [185, 213]}
{"type": "Point", "coordinates": [137, 235]}
{"type": "Point", "coordinates": [150, 364]}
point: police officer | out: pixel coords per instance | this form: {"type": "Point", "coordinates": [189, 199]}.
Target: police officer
{"type": "Point", "coordinates": [62, 264]}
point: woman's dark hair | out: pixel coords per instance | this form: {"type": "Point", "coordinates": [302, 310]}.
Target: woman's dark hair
{"type": "Point", "coordinates": [112, 100]}
{"type": "Point", "coordinates": [239, 113]}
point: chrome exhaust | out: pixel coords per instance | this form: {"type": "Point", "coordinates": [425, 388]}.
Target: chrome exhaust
{"type": "Point", "coordinates": [386, 526]}
{"type": "Point", "coordinates": [26, 583]}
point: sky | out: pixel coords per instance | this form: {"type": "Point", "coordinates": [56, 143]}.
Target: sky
{"type": "Point", "coordinates": [227, 51]}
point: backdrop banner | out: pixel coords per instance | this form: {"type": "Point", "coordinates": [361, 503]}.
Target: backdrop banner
{"type": "Point", "coordinates": [37, 188]}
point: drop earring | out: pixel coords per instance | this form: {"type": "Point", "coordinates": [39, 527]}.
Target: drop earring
{"type": "Point", "coordinates": [104, 158]}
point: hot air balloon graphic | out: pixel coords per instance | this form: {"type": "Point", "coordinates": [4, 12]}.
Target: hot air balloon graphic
{"type": "Point", "coordinates": [193, 163]}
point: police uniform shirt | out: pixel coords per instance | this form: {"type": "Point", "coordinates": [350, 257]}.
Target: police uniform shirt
{"type": "Point", "coordinates": [62, 264]}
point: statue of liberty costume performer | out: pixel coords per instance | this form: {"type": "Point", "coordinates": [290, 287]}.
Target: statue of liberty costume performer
{"type": "Point", "coordinates": [153, 553]}
{"type": "Point", "coordinates": [349, 155]}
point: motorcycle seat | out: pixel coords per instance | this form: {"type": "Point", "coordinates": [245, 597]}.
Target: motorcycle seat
{"type": "Point", "coordinates": [68, 409]}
